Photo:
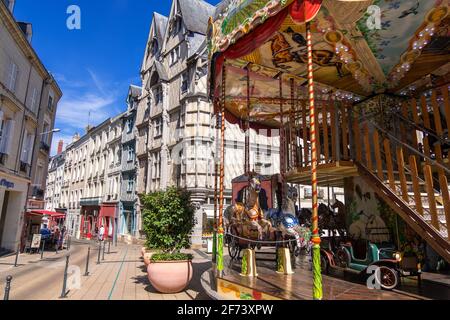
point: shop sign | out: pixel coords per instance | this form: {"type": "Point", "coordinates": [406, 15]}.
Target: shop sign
{"type": "Point", "coordinates": [7, 184]}
{"type": "Point", "coordinates": [36, 242]}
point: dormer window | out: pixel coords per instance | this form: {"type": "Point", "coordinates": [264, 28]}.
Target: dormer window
{"type": "Point", "coordinates": [155, 47]}
{"type": "Point", "coordinates": [176, 26]}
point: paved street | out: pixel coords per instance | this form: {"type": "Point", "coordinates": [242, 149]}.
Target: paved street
{"type": "Point", "coordinates": [121, 276]}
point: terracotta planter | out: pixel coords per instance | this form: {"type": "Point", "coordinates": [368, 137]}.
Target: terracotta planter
{"type": "Point", "coordinates": [170, 276]}
{"type": "Point", "coordinates": [147, 256]}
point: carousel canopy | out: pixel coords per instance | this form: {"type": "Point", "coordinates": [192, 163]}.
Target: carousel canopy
{"type": "Point", "coordinates": [360, 48]}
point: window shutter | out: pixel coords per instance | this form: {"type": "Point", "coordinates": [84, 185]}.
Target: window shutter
{"type": "Point", "coordinates": [33, 100]}
{"type": "Point", "coordinates": [8, 137]}
{"type": "Point", "coordinates": [14, 72]}
{"type": "Point", "coordinates": [30, 148]}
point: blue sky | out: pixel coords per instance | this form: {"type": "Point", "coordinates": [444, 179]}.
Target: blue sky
{"type": "Point", "coordinates": [95, 65]}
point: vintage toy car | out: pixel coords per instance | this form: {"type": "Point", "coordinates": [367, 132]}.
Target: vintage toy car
{"type": "Point", "coordinates": [358, 255]}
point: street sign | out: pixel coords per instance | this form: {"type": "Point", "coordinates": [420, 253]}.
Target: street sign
{"type": "Point", "coordinates": [36, 242]}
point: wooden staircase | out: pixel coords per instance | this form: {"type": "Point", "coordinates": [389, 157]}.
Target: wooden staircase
{"type": "Point", "coordinates": [406, 165]}
{"type": "Point", "coordinates": [413, 184]}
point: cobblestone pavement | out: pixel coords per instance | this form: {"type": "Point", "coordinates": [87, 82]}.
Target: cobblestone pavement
{"type": "Point", "coordinates": [121, 276]}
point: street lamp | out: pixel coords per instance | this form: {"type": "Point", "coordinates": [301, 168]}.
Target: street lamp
{"type": "Point", "coordinates": [52, 131]}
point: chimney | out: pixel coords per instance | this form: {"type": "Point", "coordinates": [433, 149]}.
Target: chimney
{"type": "Point", "coordinates": [76, 137]}
{"type": "Point", "coordinates": [10, 4]}
{"type": "Point", "coordinates": [60, 146]}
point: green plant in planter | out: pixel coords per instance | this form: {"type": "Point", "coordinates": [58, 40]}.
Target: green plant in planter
{"type": "Point", "coordinates": [168, 220]}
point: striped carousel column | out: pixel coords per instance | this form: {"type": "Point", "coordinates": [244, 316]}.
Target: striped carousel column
{"type": "Point", "coordinates": [216, 194]}
{"type": "Point", "coordinates": [283, 149]}
{"type": "Point", "coordinates": [317, 274]}
{"type": "Point", "coordinates": [222, 175]}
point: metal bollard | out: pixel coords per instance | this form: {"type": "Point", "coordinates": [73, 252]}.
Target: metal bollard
{"type": "Point", "coordinates": [64, 289]}
{"type": "Point", "coordinates": [87, 262]}
{"type": "Point", "coordinates": [104, 249]}
{"type": "Point", "coordinates": [109, 246]}
{"type": "Point", "coordinates": [69, 242]}
{"type": "Point", "coordinates": [42, 250]}
{"type": "Point", "coordinates": [7, 287]}
{"type": "Point", "coordinates": [99, 252]}
{"type": "Point", "coordinates": [17, 255]}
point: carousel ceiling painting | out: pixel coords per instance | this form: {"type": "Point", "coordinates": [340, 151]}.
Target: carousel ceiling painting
{"type": "Point", "coordinates": [359, 47]}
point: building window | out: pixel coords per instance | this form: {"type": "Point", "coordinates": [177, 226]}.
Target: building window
{"type": "Point", "coordinates": [158, 127]}
{"type": "Point", "coordinates": [45, 133]}
{"type": "Point", "coordinates": [129, 126]}
{"type": "Point", "coordinates": [50, 102]}
{"type": "Point", "coordinates": [27, 149]}
{"type": "Point", "coordinates": [6, 134]}
{"type": "Point", "coordinates": [175, 55]}
{"type": "Point", "coordinates": [184, 82]}
{"type": "Point", "coordinates": [12, 77]}
{"type": "Point", "coordinates": [155, 47]}
{"type": "Point", "coordinates": [130, 154]}
{"type": "Point", "coordinates": [34, 99]}
{"type": "Point", "coordinates": [158, 93]}
{"type": "Point", "coordinates": [308, 193]}
{"type": "Point", "coordinates": [130, 187]}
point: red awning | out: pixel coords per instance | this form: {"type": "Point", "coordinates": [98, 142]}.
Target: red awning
{"type": "Point", "coordinates": [108, 210]}
{"type": "Point", "coordinates": [51, 214]}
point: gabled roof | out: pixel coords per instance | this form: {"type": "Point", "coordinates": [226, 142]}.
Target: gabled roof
{"type": "Point", "coordinates": [196, 14]}
{"type": "Point", "coordinates": [160, 23]}
{"type": "Point", "coordinates": [161, 70]}
{"type": "Point", "coordinates": [135, 91]}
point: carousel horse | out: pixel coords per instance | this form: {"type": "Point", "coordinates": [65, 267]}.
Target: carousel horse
{"type": "Point", "coordinates": [249, 214]}
{"type": "Point", "coordinates": [327, 219]}
{"type": "Point", "coordinates": [286, 222]}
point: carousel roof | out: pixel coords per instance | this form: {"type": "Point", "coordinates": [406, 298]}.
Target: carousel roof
{"type": "Point", "coordinates": [355, 54]}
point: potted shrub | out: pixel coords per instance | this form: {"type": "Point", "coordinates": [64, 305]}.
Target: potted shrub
{"type": "Point", "coordinates": [168, 219]}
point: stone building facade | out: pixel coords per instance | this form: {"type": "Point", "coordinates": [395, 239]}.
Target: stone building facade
{"type": "Point", "coordinates": [28, 102]}
{"type": "Point", "coordinates": [129, 220]}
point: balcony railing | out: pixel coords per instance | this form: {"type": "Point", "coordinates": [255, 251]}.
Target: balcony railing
{"type": "Point", "coordinates": [44, 147]}
{"type": "Point", "coordinates": [24, 167]}
{"type": "Point", "coordinates": [95, 201]}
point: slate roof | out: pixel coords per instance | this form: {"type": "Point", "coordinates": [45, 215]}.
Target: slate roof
{"type": "Point", "coordinates": [160, 24]}
{"type": "Point", "coordinates": [196, 14]}
{"type": "Point", "coordinates": [135, 91]}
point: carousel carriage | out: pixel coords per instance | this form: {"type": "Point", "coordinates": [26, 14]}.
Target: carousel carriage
{"type": "Point", "coordinates": [251, 222]}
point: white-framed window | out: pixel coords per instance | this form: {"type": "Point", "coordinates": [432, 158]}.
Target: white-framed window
{"type": "Point", "coordinates": [184, 82]}
{"type": "Point", "coordinates": [13, 75]}
{"type": "Point", "coordinates": [129, 126]}
{"type": "Point", "coordinates": [130, 186]}
{"type": "Point", "coordinates": [175, 55]}
{"type": "Point", "coordinates": [158, 125]}
{"type": "Point", "coordinates": [34, 100]}
{"type": "Point", "coordinates": [130, 156]}
{"type": "Point", "coordinates": [45, 135]}
{"type": "Point", "coordinates": [27, 148]}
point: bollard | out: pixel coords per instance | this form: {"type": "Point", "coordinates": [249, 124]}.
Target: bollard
{"type": "Point", "coordinates": [104, 249]}
{"type": "Point", "coordinates": [7, 287]}
{"type": "Point", "coordinates": [17, 255]}
{"type": "Point", "coordinates": [99, 252]}
{"type": "Point", "coordinates": [69, 242]}
{"type": "Point", "coordinates": [109, 246]}
{"type": "Point", "coordinates": [64, 291]}
{"type": "Point", "coordinates": [43, 248]}
{"type": "Point", "coordinates": [87, 262]}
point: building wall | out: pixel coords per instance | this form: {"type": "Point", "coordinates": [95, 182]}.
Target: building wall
{"type": "Point", "coordinates": [25, 86]}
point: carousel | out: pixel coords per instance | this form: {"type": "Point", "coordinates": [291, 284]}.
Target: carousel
{"type": "Point", "coordinates": [357, 92]}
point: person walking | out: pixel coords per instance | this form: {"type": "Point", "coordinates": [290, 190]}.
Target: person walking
{"type": "Point", "coordinates": [56, 237]}
{"type": "Point", "coordinates": [61, 238]}
{"type": "Point", "coordinates": [101, 233]}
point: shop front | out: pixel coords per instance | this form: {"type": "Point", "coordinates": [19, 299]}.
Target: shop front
{"type": "Point", "coordinates": [13, 193]}
{"type": "Point", "coordinates": [35, 220]}
{"type": "Point", "coordinates": [107, 218]}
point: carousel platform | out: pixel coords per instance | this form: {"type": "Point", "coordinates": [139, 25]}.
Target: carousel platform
{"type": "Point", "coordinates": [329, 174]}
{"type": "Point", "coordinates": [269, 285]}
